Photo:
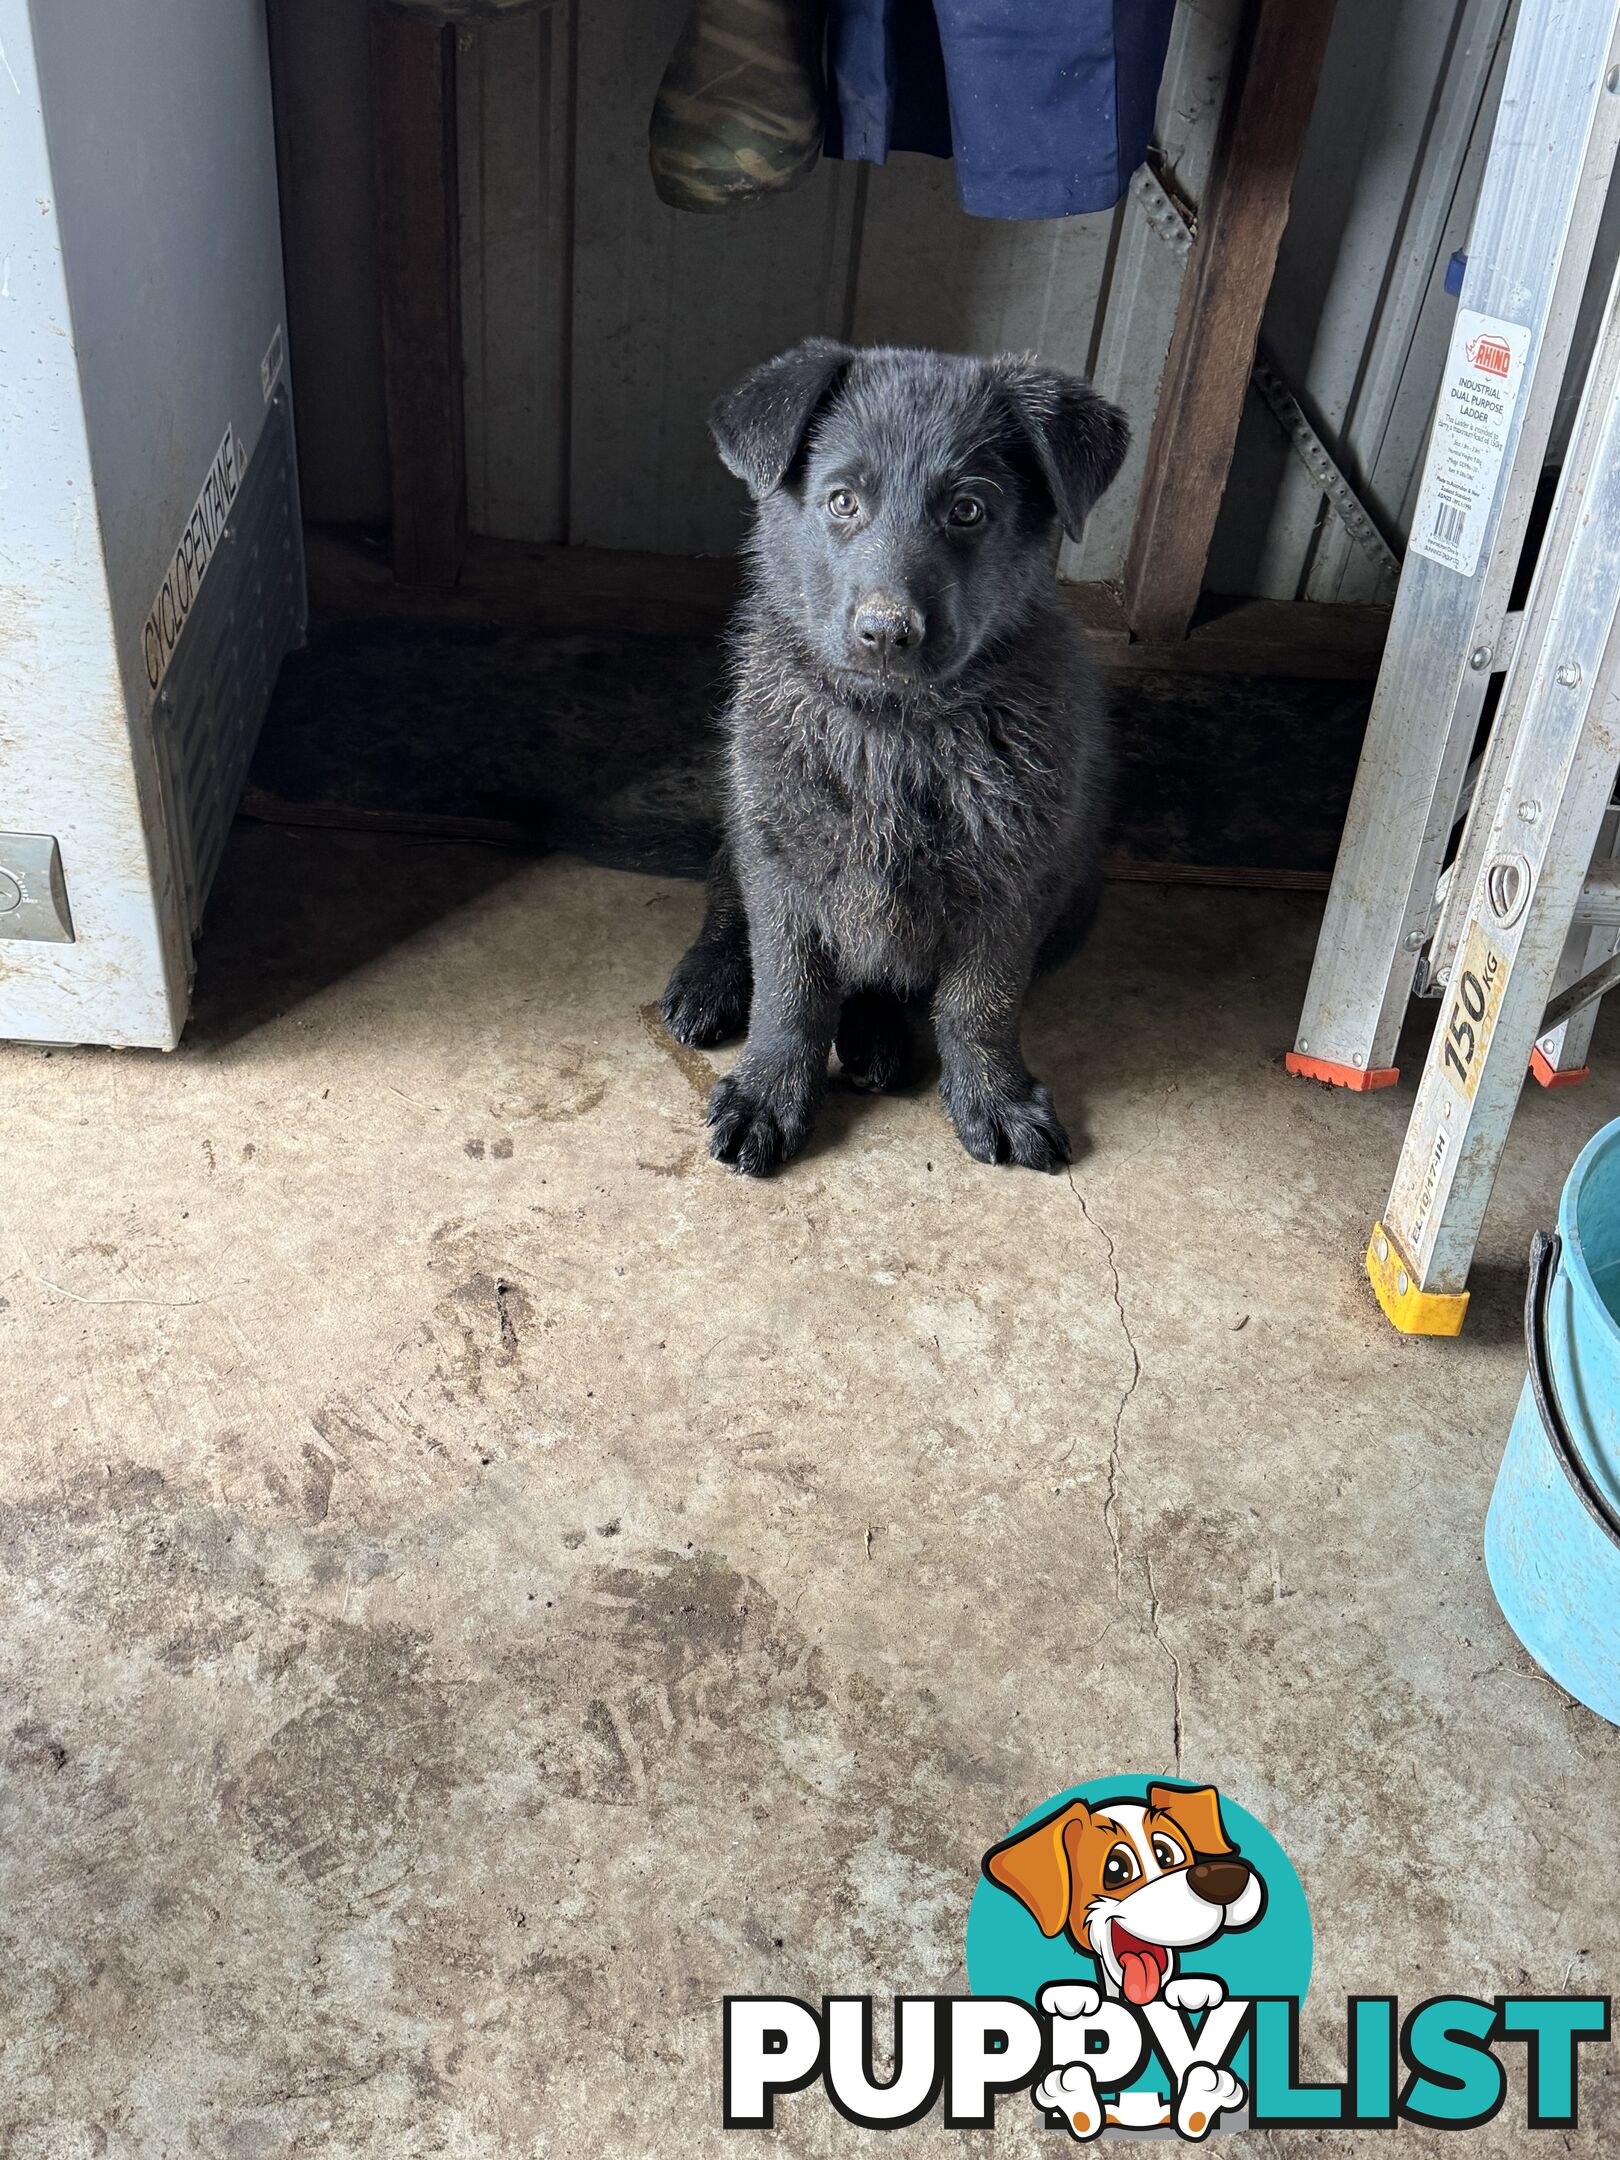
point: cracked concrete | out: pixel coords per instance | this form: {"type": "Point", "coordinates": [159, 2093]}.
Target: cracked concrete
{"type": "Point", "coordinates": [1177, 1723]}
{"type": "Point", "coordinates": [1111, 1500]}
{"type": "Point", "coordinates": [1116, 1472]}
{"type": "Point", "coordinates": [478, 1584]}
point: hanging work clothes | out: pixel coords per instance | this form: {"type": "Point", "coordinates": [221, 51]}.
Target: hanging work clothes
{"type": "Point", "coordinates": [1046, 105]}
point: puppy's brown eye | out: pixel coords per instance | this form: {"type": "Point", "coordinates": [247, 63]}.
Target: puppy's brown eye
{"type": "Point", "coordinates": [966, 510]}
{"type": "Point", "coordinates": [1166, 1853]}
{"type": "Point", "coordinates": [842, 503]}
{"type": "Point", "coordinates": [1119, 1868]}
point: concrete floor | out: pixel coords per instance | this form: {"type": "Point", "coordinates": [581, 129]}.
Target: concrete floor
{"type": "Point", "coordinates": [480, 1584]}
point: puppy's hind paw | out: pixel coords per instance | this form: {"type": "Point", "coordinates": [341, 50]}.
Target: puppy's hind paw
{"type": "Point", "coordinates": [752, 1129]}
{"type": "Point", "coordinates": [874, 1044]}
{"type": "Point", "coordinates": [1072, 2093]}
{"type": "Point", "coordinates": [706, 999]}
{"type": "Point", "coordinates": [1206, 2093]}
{"type": "Point", "coordinates": [1022, 1129]}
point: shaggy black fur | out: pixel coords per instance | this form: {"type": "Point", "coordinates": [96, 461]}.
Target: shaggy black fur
{"type": "Point", "coordinates": [917, 747]}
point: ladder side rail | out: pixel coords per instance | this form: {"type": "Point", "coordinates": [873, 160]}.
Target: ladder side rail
{"type": "Point", "coordinates": [1530, 250]}
{"type": "Point", "coordinates": [1549, 814]}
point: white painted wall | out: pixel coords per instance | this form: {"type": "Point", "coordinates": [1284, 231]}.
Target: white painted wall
{"type": "Point", "coordinates": [140, 285]}
{"type": "Point", "coordinates": [70, 764]}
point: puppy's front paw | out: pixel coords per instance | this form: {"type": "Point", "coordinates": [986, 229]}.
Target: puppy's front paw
{"type": "Point", "coordinates": [1205, 2094]}
{"type": "Point", "coordinates": [1194, 1991]}
{"type": "Point", "coordinates": [755, 1126]}
{"type": "Point", "coordinates": [1007, 1128]}
{"type": "Point", "coordinates": [1069, 1999]}
{"type": "Point", "coordinates": [707, 997]}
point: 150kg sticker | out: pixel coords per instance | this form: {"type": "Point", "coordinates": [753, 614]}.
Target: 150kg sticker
{"type": "Point", "coordinates": [1475, 998]}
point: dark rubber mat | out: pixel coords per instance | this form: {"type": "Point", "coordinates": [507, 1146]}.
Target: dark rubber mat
{"type": "Point", "coordinates": [604, 745]}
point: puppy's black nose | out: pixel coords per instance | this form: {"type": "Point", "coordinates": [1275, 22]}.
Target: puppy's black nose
{"type": "Point", "coordinates": [1220, 1881]}
{"type": "Point", "coordinates": [885, 625]}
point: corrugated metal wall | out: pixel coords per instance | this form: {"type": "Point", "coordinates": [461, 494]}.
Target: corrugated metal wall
{"type": "Point", "coordinates": [1359, 316]}
{"type": "Point", "coordinates": [598, 324]}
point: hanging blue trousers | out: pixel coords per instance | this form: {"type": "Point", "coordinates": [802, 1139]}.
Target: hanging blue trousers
{"type": "Point", "coordinates": [1046, 105]}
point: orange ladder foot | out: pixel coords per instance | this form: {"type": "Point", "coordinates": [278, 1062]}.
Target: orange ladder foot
{"type": "Point", "coordinates": [1550, 1076]}
{"type": "Point", "coordinates": [1358, 1077]}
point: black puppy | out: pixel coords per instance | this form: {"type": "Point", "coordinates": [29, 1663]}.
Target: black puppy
{"type": "Point", "coordinates": [917, 749]}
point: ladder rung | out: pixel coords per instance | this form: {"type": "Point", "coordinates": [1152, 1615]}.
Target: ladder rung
{"type": "Point", "coordinates": [1587, 991]}
{"type": "Point", "coordinates": [1599, 904]}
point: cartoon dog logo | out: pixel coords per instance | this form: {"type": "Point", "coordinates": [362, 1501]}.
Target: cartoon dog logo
{"type": "Point", "coordinates": [1133, 1884]}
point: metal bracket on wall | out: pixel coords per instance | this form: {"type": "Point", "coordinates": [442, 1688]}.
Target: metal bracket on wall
{"type": "Point", "coordinates": [1175, 227]}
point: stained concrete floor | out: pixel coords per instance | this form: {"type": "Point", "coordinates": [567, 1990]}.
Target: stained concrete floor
{"type": "Point", "coordinates": [479, 1583]}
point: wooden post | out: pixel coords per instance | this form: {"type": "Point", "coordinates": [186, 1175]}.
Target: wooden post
{"type": "Point", "coordinates": [413, 112]}
{"type": "Point", "coordinates": [1229, 272]}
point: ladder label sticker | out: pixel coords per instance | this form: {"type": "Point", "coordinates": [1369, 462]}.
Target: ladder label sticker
{"type": "Point", "coordinates": [1472, 422]}
{"type": "Point", "coordinates": [1476, 998]}
{"type": "Point", "coordinates": [183, 579]}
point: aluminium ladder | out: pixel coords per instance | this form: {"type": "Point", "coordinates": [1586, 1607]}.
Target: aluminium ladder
{"type": "Point", "coordinates": [1517, 932]}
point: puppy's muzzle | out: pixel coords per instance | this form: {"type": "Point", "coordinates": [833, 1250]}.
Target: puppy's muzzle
{"type": "Point", "coordinates": [887, 630]}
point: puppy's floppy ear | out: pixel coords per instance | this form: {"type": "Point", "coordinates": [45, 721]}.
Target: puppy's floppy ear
{"type": "Point", "coordinates": [1199, 1814]}
{"type": "Point", "coordinates": [1079, 439]}
{"type": "Point", "coordinates": [759, 425]}
{"type": "Point", "coordinates": [1034, 1866]}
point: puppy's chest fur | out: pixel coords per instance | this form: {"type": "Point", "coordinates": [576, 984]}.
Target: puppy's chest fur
{"type": "Point", "coordinates": [894, 829]}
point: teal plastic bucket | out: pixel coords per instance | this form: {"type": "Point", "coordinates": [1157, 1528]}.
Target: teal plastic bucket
{"type": "Point", "coordinates": [1552, 1536]}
